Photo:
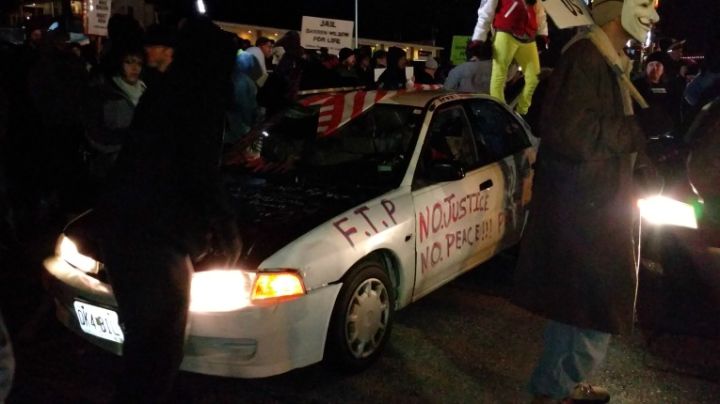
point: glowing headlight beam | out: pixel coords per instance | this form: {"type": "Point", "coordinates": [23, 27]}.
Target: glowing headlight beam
{"type": "Point", "coordinates": [661, 210]}
{"type": "Point", "coordinates": [68, 251]}
{"type": "Point", "coordinates": [220, 290]}
{"type": "Point", "coordinates": [224, 290]}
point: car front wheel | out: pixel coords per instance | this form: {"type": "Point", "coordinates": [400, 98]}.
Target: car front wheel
{"type": "Point", "coordinates": [362, 318]}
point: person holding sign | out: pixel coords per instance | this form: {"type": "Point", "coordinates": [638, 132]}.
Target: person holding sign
{"type": "Point", "coordinates": [516, 24]}
{"type": "Point", "coordinates": [577, 265]}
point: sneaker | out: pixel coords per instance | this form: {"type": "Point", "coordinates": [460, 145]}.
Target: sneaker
{"type": "Point", "coordinates": [585, 393]}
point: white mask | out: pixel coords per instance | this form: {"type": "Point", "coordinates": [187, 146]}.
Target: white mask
{"type": "Point", "coordinates": [638, 16]}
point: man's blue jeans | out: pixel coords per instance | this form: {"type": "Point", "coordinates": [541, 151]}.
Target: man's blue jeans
{"type": "Point", "coordinates": [570, 355]}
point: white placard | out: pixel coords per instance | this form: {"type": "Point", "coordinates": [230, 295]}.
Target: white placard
{"type": "Point", "coordinates": [326, 33]}
{"type": "Point", "coordinates": [98, 15]}
{"type": "Point", "coordinates": [409, 73]}
{"type": "Point", "coordinates": [568, 13]}
{"type": "Point", "coordinates": [378, 72]}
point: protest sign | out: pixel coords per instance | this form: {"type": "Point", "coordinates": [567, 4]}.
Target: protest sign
{"type": "Point", "coordinates": [98, 16]}
{"type": "Point", "coordinates": [459, 46]}
{"type": "Point", "coordinates": [568, 13]}
{"type": "Point", "coordinates": [326, 33]}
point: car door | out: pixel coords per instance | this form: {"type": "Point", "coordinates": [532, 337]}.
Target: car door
{"type": "Point", "coordinates": [505, 146]}
{"type": "Point", "coordinates": [454, 218]}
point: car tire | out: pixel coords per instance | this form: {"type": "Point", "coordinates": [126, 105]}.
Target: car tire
{"type": "Point", "coordinates": [362, 318]}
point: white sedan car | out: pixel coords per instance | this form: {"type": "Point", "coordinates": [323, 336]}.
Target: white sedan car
{"type": "Point", "coordinates": [389, 202]}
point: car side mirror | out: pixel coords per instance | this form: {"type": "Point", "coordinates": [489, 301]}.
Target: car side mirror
{"type": "Point", "coordinates": [447, 170]}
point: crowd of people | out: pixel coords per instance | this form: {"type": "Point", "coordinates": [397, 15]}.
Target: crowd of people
{"type": "Point", "coordinates": [73, 107]}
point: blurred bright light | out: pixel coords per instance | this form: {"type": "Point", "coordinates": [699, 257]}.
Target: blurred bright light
{"type": "Point", "coordinates": [661, 210]}
{"type": "Point", "coordinates": [223, 290]}
{"type": "Point", "coordinates": [68, 251]}
{"type": "Point", "coordinates": [201, 6]}
{"type": "Point", "coordinates": [220, 290]}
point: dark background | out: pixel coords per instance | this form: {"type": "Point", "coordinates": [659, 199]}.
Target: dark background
{"type": "Point", "coordinates": [439, 20]}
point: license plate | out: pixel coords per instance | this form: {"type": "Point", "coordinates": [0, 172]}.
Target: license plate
{"type": "Point", "coordinates": [99, 322]}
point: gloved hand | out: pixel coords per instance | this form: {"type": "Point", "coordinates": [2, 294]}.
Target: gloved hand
{"type": "Point", "coordinates": [475, 44]}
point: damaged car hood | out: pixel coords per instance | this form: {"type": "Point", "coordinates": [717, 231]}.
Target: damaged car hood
{"type": "Point", "coordinates": [271, 215]}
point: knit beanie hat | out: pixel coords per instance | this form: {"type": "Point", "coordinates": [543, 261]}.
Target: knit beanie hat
{"type": "Point", "coordinates": [345, 53]}
{"type": "Point", "coordinates": [604, 11]}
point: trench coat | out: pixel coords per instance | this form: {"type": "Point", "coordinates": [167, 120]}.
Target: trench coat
{"type": "Point", "coordinates": [576, 263]}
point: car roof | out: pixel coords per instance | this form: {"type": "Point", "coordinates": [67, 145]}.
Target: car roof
{"type": "Point", "coordinates": [422, 98]}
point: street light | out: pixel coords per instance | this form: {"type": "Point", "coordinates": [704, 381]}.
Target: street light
{"type": "Point", "coordinates": [200, 6]}
{"type": "Point", "coordinates": [356, 24]}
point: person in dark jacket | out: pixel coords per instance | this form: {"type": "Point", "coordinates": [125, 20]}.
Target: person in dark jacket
{"type": "Point", "coordinates": [167, 208]}
{"type": "Point", "coordinates": [159, 42]}
{"type": "Point", "coordinates": [363, 68]}
{"type": "Point", "coordinates": [664, 97]}
{"type": "Point", "coordinates": [577, 265]}
{"type": "Point", "coordinates": [346, 73]}
{"type": "Point", "coordinates": [426, 75]}
{"type": "Point", "coordinates": [59, 89]}
{"type": "Point", "coordinates": [119, 95]}
{"type": "Point", "coordinates": [394, 77]}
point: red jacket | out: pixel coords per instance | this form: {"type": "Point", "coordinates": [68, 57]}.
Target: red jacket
{"type": "Point", "coordinates": [517, 18]}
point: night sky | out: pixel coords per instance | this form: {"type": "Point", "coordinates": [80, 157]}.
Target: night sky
{"type": "Point", "coordinates": [413, 20]}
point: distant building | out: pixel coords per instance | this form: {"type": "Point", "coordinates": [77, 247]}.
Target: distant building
{"type": "Point", "coordinates": [47, 10]}
{"type": "Point", "coordinates": [415, 51]}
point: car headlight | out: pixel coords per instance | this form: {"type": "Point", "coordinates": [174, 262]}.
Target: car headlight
{"type": "Point", "coordinates": [222, 290]}
{"type": "Point", "coordinates": [661, 210]}
{"type": "Point", "coordinates": [68, 252]}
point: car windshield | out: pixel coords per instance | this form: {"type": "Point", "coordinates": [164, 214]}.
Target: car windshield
{"type": "Point", "coordinates": [372, 149]}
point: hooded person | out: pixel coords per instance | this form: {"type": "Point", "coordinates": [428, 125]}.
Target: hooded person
{"type": "Point", "coordinates": [347, 76]}
{"type": "Point", "coordinates": [394, 77]}
{"type": "Point", "coordinates": [576, 265]}
{"type": "Point", "coordinates": [244, 112]}
{"type": "Point", "coordinates": [517, 23]}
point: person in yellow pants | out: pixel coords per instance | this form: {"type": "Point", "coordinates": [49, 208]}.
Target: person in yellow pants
{"type": "Point", "coordinates": [516, 24]}
{"type": "Point", "coordinates": [507, 48]}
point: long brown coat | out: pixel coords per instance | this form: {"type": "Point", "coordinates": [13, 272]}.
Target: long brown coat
{"type": "Point", "coordinates": [576, 263]}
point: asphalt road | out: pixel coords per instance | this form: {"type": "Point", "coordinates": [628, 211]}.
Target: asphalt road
{"type": "Point", "coordinates": [463, 343]}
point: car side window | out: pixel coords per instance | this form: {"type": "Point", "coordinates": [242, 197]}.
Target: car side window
{"type": "Point", "coordinates": [449, 138]}
{"type": "Point", "coordinates": [496, 130]}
